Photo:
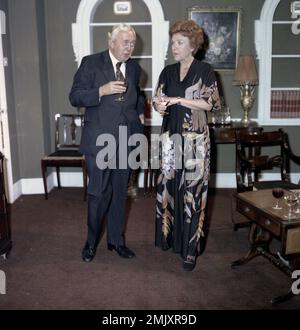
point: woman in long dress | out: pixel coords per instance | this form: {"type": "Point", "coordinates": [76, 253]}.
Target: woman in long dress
{"type": "Point", "coordinates": [186, 91]}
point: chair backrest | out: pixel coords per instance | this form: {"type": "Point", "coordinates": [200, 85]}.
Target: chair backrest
{"type": "Point", "coordinates": [258, 152]}
{"type": "Point", "coordinates": [68, 129]}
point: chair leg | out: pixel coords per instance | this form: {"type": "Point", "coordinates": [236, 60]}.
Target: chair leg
{"type": "Point", "coordinates": [151, 181]}
{"type": "Point", "coordinates": [44, 169]}
{"type": "Point", "coordinates": [84, 172]}
{"type": "Point", "coordinates": [155, 176]}
{"type": "Point", "coordinates": [238, 220]}
{"type": "Point", "coordinates": [58, 177]}
{"type": "Point", "coordinates": [146, 181]}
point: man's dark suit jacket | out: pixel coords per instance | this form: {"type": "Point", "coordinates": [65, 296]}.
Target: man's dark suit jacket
{"type": "Point", "coordinates": [106, 115]}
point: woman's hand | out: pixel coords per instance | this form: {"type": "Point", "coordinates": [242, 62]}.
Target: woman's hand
{"type": "Point", "coordinates": [160, 104]}
{"type": "Point", "coordinates": [173, 100]}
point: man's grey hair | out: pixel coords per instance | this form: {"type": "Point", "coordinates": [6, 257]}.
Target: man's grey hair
{"type": "Point", "coordinates": [118, 28]}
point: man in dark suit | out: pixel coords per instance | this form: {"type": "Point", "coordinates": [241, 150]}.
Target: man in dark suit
{"type": "Point", "coordinates": [95, 87]}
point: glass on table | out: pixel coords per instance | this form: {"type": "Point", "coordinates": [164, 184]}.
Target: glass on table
{"type": "Point", "coordinates": [291, 200]}
{"type": "Point", "coordinates": [278, 194]}
{"type": "Point", "coordinates": [227, 115]}
{"type": "Point", "coordinates": [297, 192]}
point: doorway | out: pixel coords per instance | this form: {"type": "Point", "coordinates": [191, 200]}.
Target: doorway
{"type": "Point", "coordinates": [4, 129]}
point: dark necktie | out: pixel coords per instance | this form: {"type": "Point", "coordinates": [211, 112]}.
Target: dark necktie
{"type": "Point", "coordinates": [119, 74]}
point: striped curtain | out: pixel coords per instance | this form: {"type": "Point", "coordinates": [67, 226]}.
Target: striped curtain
{"type": "Point", "coordinates": [285, 104]}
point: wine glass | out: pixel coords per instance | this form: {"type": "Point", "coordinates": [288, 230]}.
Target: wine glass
{"type": "Point", "coordinates": [277, 193]}
{"type": "Point", "coordinates": [159, 96]}
{"type": "Point", "coordinates": [227, 115]}
{"type": "Point", "coordinates": [290, 199]}
{"type": "Point", "coordinates": [297, 192]}
{"type": "Point", "coordinates": [120, 78]}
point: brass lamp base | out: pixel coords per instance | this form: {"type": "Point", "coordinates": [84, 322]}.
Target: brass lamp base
{"type": "Point", "coordinates": [246, 120]}
{"type": "Point", "coordinates": [247, 100]}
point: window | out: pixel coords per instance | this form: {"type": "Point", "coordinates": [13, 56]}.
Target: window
{"type": "Point", "coordinates": [93, 24]}
{"type": "Point", "coordinates": [278, 49]}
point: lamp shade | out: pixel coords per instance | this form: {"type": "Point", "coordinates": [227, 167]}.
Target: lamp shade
{"type": "Point", "coordinates": [245, 71]}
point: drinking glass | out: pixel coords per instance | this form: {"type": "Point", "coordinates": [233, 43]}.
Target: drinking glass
{"type": "Point", "coordinates": [290, 199]}
{"type": "Point", "coordinates": [120, 98]}
{"type": "Point", "coordinates": [277, 193]}
{"type": "Point", "coordinates": [298, 202]}
{"type": "Point", "coordinates": [159, 96]}
{"type": "Point", "coordinates": [227, 115]}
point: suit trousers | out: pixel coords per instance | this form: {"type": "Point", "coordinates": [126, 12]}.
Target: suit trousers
{"type": "Point", "coordinates": [108, 201]}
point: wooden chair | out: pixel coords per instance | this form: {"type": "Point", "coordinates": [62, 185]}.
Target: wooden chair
{"type": "Point", "coordinates": [150, 179]}
{"type": "Point", "coordinates": [67, 137]}
{"type": "Point", "coordinates": [150, 174]}
{"type": "Point", "coordinates": [259, 153]}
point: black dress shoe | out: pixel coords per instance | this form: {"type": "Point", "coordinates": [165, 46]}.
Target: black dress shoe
{"type": "Point", "coordinates": [88, 253]}
{"type": "Point", "coordinates": [122, 250]}
{"type": "Point", "coordinates": [189, 264]}
{"type": "Point", "coordinates": [165, 246]}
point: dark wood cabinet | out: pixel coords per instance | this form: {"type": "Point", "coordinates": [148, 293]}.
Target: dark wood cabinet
{"type": "Point", "coordinates": [225, 134]}
{"type": "Point", "coordinates": [5, 237]}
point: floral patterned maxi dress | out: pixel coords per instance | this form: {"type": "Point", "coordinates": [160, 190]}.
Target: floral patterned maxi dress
{"type": "Point", "coordinates": [182, 192]}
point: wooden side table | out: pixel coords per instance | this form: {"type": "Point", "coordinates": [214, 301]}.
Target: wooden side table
{"type": "Point", "coordinates": [266, 224]}
{"type": "Point", "coordinates": [225, 134]}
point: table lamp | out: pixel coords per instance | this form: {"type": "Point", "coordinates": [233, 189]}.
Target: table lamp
{"type": "Point", "coordinates": [246, 77]}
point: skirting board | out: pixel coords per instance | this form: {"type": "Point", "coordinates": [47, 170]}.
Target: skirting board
{"type": "Point", "coordinates": [74, 179]}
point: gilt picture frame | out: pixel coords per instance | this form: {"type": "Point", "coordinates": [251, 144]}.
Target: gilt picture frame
{"type": "Point", "coordinates": [222, 27]}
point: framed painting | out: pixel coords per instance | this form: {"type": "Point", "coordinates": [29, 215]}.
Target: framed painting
{"type": "Point", "coordinates": [222, 33]}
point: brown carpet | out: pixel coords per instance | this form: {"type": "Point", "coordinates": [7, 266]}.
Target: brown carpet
{"type": "Point", "coordinates": [44, 269]}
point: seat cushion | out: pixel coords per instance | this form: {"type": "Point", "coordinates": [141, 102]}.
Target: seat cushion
{"type": "Point", "coordinates": [64, 155]}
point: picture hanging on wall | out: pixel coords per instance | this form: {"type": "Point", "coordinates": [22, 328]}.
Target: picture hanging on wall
{"type": "Point", "coordinates": [222, 35]}
{"type": "Point", "coordinates": [122, 7]}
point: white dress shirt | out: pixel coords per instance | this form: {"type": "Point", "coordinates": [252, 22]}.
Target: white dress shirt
{"type": "Point", "coordinates": [115, 61]}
